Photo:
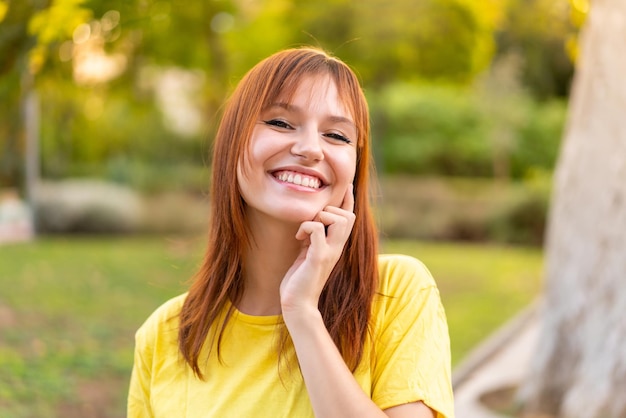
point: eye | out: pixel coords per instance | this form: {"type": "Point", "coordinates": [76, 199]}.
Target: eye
{"type": "Point", "coordinates": [338, 137]}
{"type": "Point", "coordinates": [278, 123]}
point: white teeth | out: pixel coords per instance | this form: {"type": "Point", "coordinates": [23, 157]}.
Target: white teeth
{"type": "Point", "coordinates": [299, 179]}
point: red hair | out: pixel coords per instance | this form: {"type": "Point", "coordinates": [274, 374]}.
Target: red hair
{"type": "Point", "coordinates": [345, 302]}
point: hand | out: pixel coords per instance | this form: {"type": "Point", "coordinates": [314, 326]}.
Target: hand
{"type": "Point", "coordinates": [323, 240]}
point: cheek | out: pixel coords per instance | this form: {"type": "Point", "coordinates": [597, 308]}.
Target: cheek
{"type": "Point", "coordinates": [246, 178]}
{"type": "Point", "coordinates": [249, 162]}
{"type": "Point", "coordinates": [345, 172]}
{"type": "Point", "coordinates": [348, 168]}
{"type": "Point", "coordinates": [262, 146]}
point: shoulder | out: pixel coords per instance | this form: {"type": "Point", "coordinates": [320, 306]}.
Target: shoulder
{"type": "Point", "coordinates": [164, 320]}
{"type": "Point", "coordinates": [399, 273]}
{"type": "Point", "coordinates": [405, 288]}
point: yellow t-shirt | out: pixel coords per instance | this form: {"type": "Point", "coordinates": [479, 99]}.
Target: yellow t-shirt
{"type": "Point", "coordinates": [406, 359]}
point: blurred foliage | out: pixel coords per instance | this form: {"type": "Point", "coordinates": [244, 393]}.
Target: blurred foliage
{"type": "Point", "coordinates": [432, 39]}
{"type": "Point", "coordinates": [51, 25]}
{"type": "Point", "coordinates": [455, 131]}
{"type": "Point", "coordinates": [465, 209]}
{"type": "Point", "coordinates": [141, 82]}
{"type": "Point", "coordinates": [540, 31]}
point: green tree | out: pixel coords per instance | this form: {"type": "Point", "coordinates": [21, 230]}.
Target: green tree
{"type": "Point", "coordinates": [542, 32]}
{"type": "Point", "coordinates": [28, 32]}
{"type": "Point", "coordinates": [434, 39]}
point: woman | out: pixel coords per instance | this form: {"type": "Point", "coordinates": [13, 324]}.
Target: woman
{"type": "Point", "coordinates": [293, 313]}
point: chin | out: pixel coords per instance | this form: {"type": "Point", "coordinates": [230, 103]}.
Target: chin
{"type": "Point", "coordinates": [293, 215]}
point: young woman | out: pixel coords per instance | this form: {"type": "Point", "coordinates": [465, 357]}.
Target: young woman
{"type": "Point", "coordinates": [293, 313]}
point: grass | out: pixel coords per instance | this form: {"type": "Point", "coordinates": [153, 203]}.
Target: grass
{"type": "Point", "coordinates": [69, 308]}
{"type": "Point", "coordinates": [68, 312]}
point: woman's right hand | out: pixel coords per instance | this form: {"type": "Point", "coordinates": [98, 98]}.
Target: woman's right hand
{"type": "Point", "coordinates": [323, 241]}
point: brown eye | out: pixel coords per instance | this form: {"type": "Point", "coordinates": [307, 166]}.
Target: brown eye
{"type": "Point", "coordinates": [339, 137]}
{"type": "Point", "coordinates": [278, 123]}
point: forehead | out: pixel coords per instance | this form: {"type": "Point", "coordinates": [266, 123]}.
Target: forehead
{"type": "Point", "coordinates": [317, 93]}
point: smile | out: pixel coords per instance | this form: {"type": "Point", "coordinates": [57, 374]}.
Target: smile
{"type": "Point", "coordinates": [298, 179]}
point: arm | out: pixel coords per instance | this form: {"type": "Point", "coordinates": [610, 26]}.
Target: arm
{"type": "Point", "coordinates": [331, 387]}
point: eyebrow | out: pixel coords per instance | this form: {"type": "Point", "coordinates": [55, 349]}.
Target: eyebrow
{"type": "Point", "coordinates": [296, 109]}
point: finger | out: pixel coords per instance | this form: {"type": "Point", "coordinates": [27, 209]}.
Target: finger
{"type": "Point", "coordinates": [338, 211]}
{"type": "Point", "coordinates": [348, 199]}
{"type": "Point", "coordinates": [339, 225]}
{"type": "Point", "coordinates": [312, 230]}
{"type": "Point", "coordinates": [332, 216]}
{"type": "Point", "coordinates": [349, 216]}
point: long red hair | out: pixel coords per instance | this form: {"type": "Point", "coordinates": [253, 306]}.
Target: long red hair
{"type": "Point", "coordinates": [345, 302]}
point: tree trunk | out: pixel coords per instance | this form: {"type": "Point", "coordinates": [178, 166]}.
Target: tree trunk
{"type": "Point", "coordinates": [31, 122]}
{"type": "Point", "coordinates": [579, 367]}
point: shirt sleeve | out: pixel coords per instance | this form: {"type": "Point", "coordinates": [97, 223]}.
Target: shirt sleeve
{"type": "Point", "coordinates": [155, 349]}
{"type": "Point", "coordinates": [139, 392]}
{"type": "Point", "coordinates": [412, 346]}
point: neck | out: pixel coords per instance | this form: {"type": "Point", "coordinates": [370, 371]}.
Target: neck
{"type": "Point", "coordinates": [272, 251]}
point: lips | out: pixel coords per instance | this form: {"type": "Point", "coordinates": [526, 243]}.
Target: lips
{"type": "Point", "coordinates": [299, 179]}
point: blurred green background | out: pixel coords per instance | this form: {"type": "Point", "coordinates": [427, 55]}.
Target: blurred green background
{"type": "Point", "coordinates": [468, 103]}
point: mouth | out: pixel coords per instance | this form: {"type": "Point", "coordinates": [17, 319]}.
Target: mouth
{"type": "Point", "coordinates": [299, 179]}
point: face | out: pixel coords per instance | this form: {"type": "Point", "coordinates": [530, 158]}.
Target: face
{"type": "Point", "coordinates": [302, 155]}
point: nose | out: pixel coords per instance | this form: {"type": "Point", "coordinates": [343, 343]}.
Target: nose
{"type": "Point", "coordinates": [308, 146]}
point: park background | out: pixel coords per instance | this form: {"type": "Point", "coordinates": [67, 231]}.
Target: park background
{"type": "Point", "coordinates": [468, 102]}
